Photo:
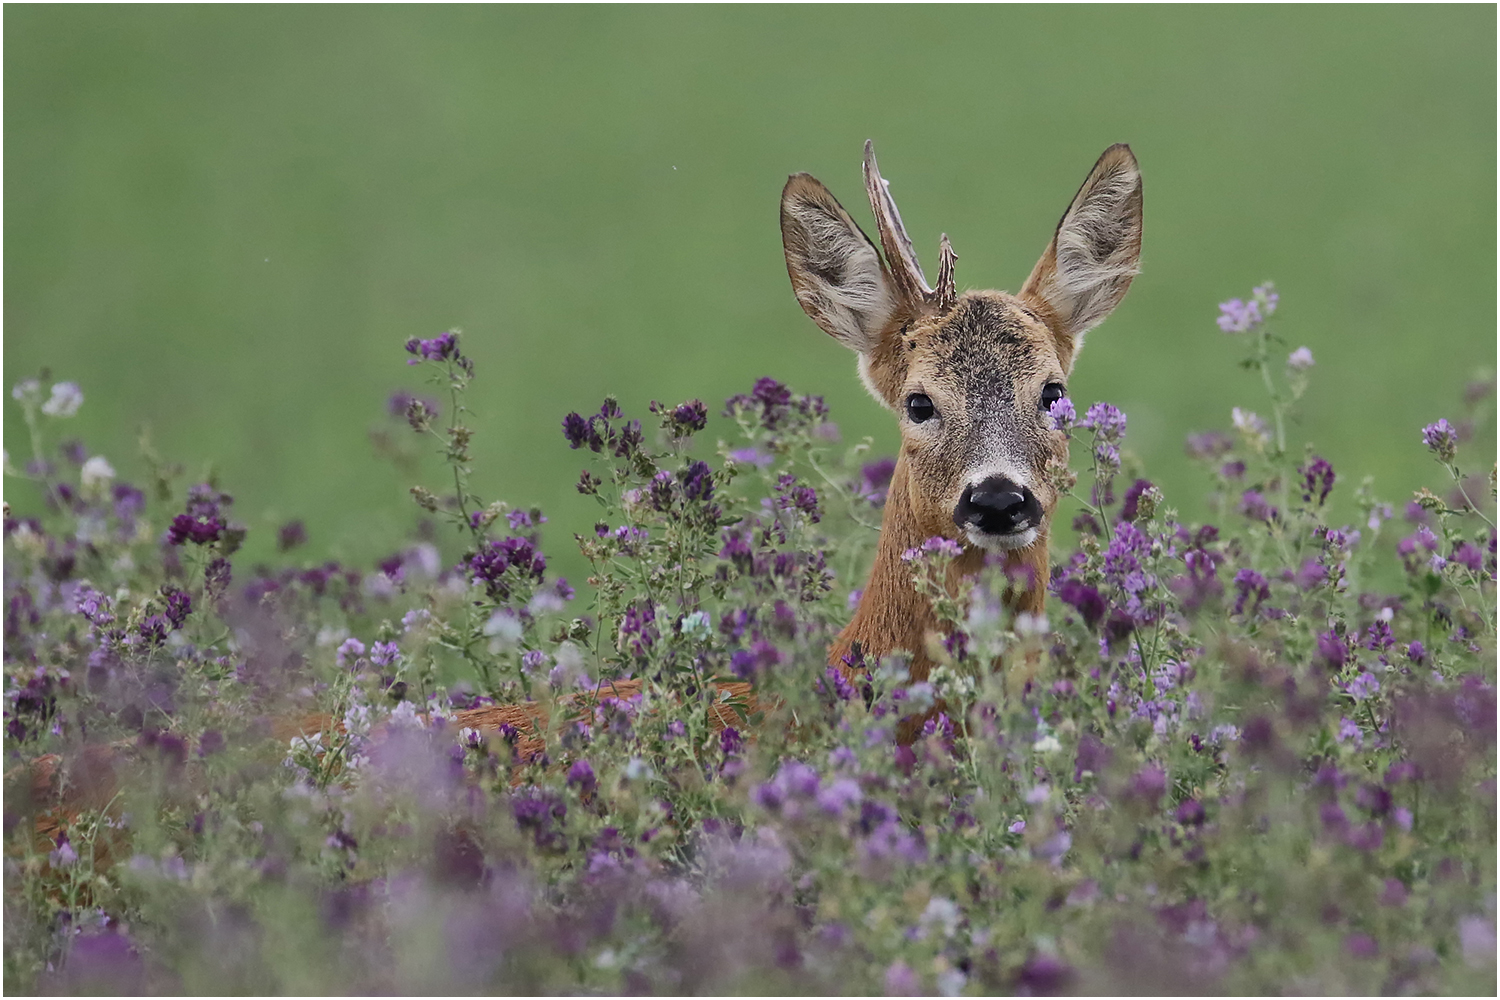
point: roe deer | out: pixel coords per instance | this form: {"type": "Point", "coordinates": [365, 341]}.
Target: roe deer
{"type": "Point", "coordinates": [971, 378]}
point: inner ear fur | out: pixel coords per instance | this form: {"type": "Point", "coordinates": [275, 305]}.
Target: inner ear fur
{"type": "Point", "coordinates": [1095, 251]}
{"type": "Point", "coordinates": [836, 272]}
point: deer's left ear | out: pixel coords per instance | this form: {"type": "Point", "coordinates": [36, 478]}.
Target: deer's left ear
{"type": "Point", "coordinates": [1095, 252]}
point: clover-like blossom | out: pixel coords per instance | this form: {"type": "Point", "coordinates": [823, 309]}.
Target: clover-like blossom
{"type": "Point", "coordinates": [1241, 316]}
{"type": "Point", "coordinates": [698, 483]}
{"type": "Point", "coordinates": [65, 400]}
{"type": "Point", "coordinates": [1317, 480]}
{"type": "Point", "coordinates": [203, 522]}
{"type": "Point", "coordinates": [581, 776]}
{"type": "Point", "coordinates": [443, 347]}
{"type": "Point", "coordinates": [384, 653]}
{"type": "Point", "coordinates": [1255, 506]}
{"type": "Point", "coordinates": [1251, 425]}
{"type": "Point", "coordinates": [1090, 604]}
{"type": "Point", "coordinates": [580, 432]}
{"type": "Point", "coordinates": [1441, 439]}
{"type": "Point", "coordinates": [684, 419]}
{"type": "Point", "coordinates": [875, 479]}
{"type": "Point", "coordinates": [1332, 649]}
{"type": "Point", "coordinates": [1130, 506]}
{"type": "Point", "coordinates": [1300, 360]}
{"type": "Point", "coordinates": [1366, 685]}
{"type": "Point", "coordinates": [1106, 420]}
{"type": "Point", "coordinates": [791, 496]}
{"type": "Point", "coordinates": [1238, 316]}
{"type": "Point", "coordinates": [1063, 415]}
{"type": "Point", "coordinates": [1209, 444]}
{"type": "Point", "coordinates": [489, 563]}
{"type": "Point", "coordinates": [348, 651]}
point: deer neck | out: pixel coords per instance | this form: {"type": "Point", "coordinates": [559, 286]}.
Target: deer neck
{"type": "Point", "coordinates": [891, 615]}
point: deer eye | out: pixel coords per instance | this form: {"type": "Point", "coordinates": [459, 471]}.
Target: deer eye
{"type": "Point", "coordinates": [919, 408]}
{"type": "Point", "coordinates": [1051, 393]}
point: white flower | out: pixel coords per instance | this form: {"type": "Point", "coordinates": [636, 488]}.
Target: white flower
{"type": "Point", "coordinates": [1031, 624]}
{"type": "Point", "coordinates": [1300, 360]}
{"type": "Point", "coordinates": [96, 472]}
{"type": "Point", "coordinates": [65, 401]}
{"type": "Point", "coordinates": [28, 390]}
{"type": "Point", "coordinates": [504, 630]}
{"type": "Point", "coordinates": [1250, 424]}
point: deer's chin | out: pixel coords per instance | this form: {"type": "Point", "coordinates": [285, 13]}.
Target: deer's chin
{"type": "Point", "coordinates": [1000, 543]}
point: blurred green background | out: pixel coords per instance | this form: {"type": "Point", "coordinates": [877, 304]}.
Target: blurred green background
{"type": "Point", "coordinates": [225, 221]}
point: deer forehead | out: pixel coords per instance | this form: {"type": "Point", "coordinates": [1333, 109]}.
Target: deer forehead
{"type": "Point", "coordinates": [984, 354]}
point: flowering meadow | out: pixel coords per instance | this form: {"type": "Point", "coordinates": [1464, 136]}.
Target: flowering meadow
{"type": "Point", "coordinates": [1255, 755]}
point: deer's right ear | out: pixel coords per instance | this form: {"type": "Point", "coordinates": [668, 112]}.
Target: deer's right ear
{"type": "Point", "coordinates": [836, 271]}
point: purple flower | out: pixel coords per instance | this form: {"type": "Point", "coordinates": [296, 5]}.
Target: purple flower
{"type": "Point", "coordinates": [443, 347]}
{"type": "Point", "coordinates": [1441, 439]}
{"type": "Point", "coordinates": [1366, 685]}
{"type": "Point", "coordinates": [1063, 415]}
{"type": "Point", "coordinates": [1208, 445]}
{"type": "Point", "coordinates": [1332, 649]}
{"type": "Point", "coordinates": [1190, 812]}
{"type": "Point", "coordinates": [349, 651]}
{"type": "Point", "coordinates": [384, 653]}
{"type": "Point", "coordinates": [902, 981]}
{"type": "Point", "coordinates": [1149, 784]}
{"type": "Point", "coordinates": [1415, 652]}
{"type": "Point", "coordinates": [1085, 598]}
{"type": "Point", "coordinates": [1252, 590]}
{"type": "Point", "coordinates": [1310, 575]}
{"type": "Point", "coordinates": [1106, 420]}
{"type": "Point", "coordinates": [875, 478]}
{"type": "Point", "coordinates": [1255, 506]}
{"type": "Point", "coordinates": [751, 456]}
{"type": "Point", "coordinates": [684, 419]}
{"type": "Point", "coordinates": [1361, 945]}
{"type": "Point", "coordinates": [1317, 480]}
{"type": "Point", "coordinates": [492, 559]}
{"type": "Point", "coordinates": [290, 535]}
{"type": "Point", "coordinates": [1468, 556]}
{"type": "Point", "coordinates": [581, 774]}
{"type": "Point", "coordinates": [1131, 503]}
{"type": "Point", "coordinates": [542, 815]}
{"type": "Point", "coordinates": [64, 856]}
{"type": "Point", "coordinates": [698, 482]}
{"type": "Point", "coordinates": [1045, 975]}
{"type": "Point", "coordinates": [203, 522]}
{"type": "Point", "coordinates": [1238, 316]}
{"type": "Point", "coordinates": [580, 432]}
{"type": "Point", "coordinates": [179, 605]}
{"type": "Point", "coordinates": [790, 496]}
{"type": "Point", "coordinates": [730, 741]}
{"type": "Point", "coordinates": [747, 664]}
{"type": "Point", "coordinates": [840, 796]}
{"type": "Point", "coordinates": [519, 520]}
{"type": "Point", "coordinates": [129, 502]}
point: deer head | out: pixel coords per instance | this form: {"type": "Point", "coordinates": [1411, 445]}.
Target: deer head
{"type": "Point", "coordinates": [970, 377]}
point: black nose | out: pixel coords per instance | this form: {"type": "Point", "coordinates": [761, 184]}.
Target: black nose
{"type": "Point", "coordinates": [998, 506]}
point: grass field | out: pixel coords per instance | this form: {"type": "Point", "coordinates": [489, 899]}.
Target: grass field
{"type": "Point", "coordinates": [223, 222]}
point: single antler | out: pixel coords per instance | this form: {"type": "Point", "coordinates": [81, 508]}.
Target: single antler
{"type": "Point", "coordinates": [947, 292]}
{"type": "Point", "coordinates": [901, 256]}
{"type": "Point", "coordinates": [899, 253]}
